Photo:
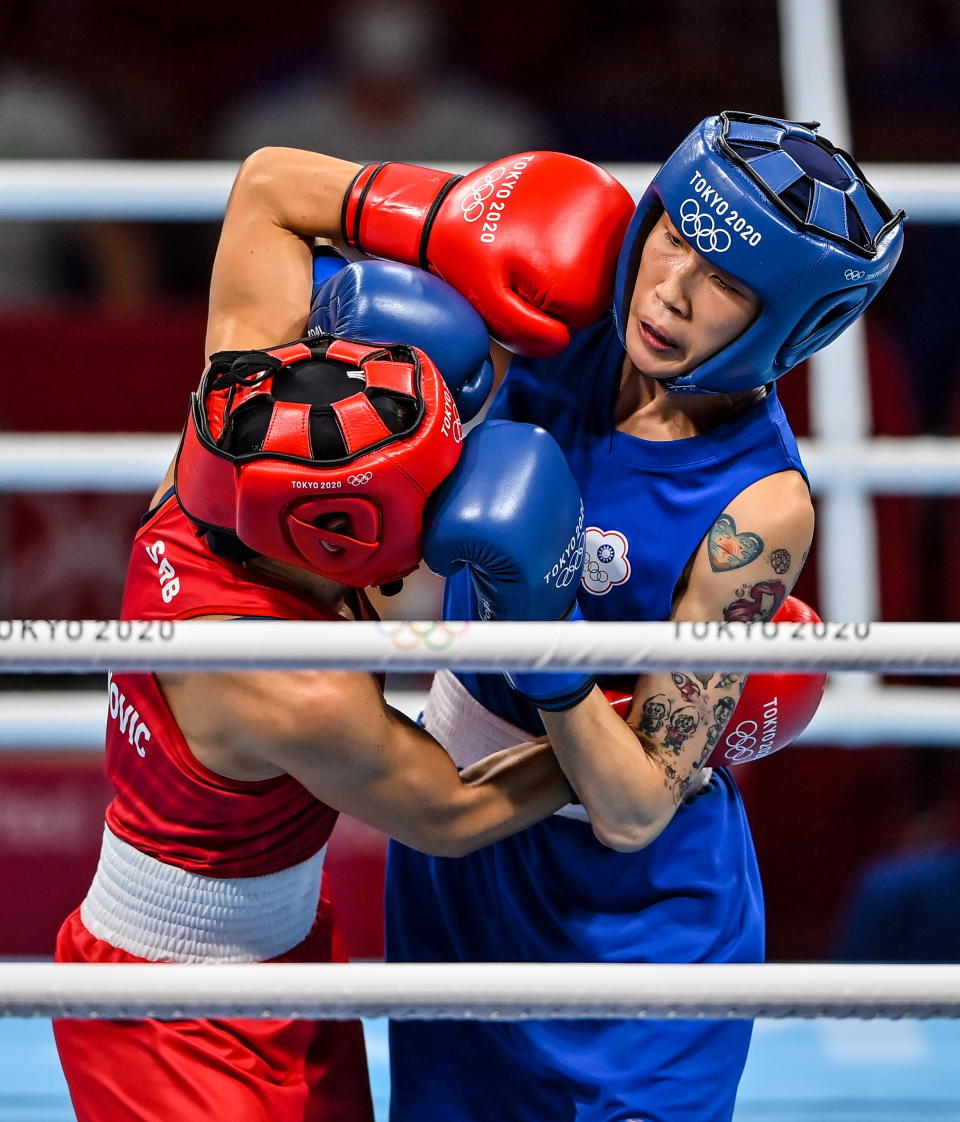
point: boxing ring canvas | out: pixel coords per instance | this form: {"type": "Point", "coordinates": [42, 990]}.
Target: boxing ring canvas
{"type": "Point", "coordinates": [831, 1071]}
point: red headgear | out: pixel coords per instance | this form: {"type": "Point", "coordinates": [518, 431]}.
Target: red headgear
{"type": "Point", "coordinates": [319, 453]}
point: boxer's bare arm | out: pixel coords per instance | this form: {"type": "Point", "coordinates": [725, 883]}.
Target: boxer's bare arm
{"type": "Point", "coordinates": [260, 284]}
{"type": "Point", "coordinates": [260, 288]}
{"type": "Point", "coordinates": [334, 733]}
{"type": "Point", "coordinates": [743, 570]}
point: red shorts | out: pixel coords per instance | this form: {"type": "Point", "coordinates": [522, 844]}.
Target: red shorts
{"type": "Point", "coordinates": [241, 1071]}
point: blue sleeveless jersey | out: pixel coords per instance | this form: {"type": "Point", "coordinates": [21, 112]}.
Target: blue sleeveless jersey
{"type": "Point", "coordinates": [647, 504]}
{"type": "Point", "coordinates": [553, 893]}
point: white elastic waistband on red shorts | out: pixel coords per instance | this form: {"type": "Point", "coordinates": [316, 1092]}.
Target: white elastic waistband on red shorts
{"type": "Point", "coordinates": [469, 731]}
{"type": "Point", "coordinates": [163, 913]}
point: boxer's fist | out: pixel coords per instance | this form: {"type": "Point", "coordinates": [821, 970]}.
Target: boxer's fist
{"type": "Point", "coordinates": [772, 711]}
{"type": "Point", "coordinates": [531, 240]}
{"type": "Point", "coordinates": [385, 302]}
{"type": "Point", "coordinates": [511, 512]}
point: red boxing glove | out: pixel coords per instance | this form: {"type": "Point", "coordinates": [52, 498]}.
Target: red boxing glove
{"type": "Point", "coordinates": [772, 711]}
{"type": "Point", "coordinates": [774, 708]}
{"type": "Point", "coordinates": [531, 240]}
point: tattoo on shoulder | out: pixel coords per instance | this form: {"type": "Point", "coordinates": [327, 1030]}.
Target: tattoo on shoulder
{"type": "Point", "coordinates": [729, 548]}
{"type": "Point", "coordinates": [780, 561]}
{"type": "Point", "coordinates": [756, 603]}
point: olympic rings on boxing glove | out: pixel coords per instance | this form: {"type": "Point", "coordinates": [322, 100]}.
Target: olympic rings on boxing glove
{"type": "Point", "coordinates": [531, 240]}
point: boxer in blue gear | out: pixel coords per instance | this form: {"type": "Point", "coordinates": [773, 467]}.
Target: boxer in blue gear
{"type": "Point", "coordinates": [756, 244]}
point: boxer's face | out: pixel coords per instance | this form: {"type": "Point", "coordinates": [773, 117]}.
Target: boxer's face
{"type": "Point", "coordinates": [683, 308]}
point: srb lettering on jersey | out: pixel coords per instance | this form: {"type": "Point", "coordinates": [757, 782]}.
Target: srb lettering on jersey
{"type": "Point", "coordinates": [169, 581]}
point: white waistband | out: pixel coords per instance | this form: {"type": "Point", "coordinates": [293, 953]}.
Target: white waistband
{"type": "Point", "coordinates": [164, 913]}
{"type": "Point", "coordinates": [469, 731]}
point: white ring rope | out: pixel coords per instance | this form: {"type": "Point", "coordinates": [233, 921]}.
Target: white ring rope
{"type": "Point", "coordinates": [135, 463]}
{"type": "Point", "coordinates": [66, 461]}
{"type": "Point", "coordinates": [73, 720]}
{"type": "Point", "coordinates": [73, 646]}
{"type": "Point", "coordinates": [197, 191]}
{"type": "Point", "coordinates": [479, 991]}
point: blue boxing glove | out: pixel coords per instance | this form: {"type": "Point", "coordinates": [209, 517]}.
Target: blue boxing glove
{"type": "Point", "coordinates": [327, 262]}
{"type": "Point", "coordinates": [385, 302]}
{"type": "Point", "coordinates": [511, 512]}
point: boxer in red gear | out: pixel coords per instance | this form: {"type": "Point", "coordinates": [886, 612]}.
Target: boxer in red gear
{"type": "Point", "coordinates": [227, 786]}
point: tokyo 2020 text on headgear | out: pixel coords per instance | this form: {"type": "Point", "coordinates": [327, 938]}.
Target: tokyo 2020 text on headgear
{"type": "Point", "coordinates": [320, 453]}
{"type": "Point", "coordinates": [781, 209]}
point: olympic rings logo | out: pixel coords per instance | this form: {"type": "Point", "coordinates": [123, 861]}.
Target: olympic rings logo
{"type": "Point", "coordinates": [473, 204]}
{"type": "Point", "coordinates": [742, 742]}
{"type": "Point", "coordinates": [700, 227]}
{"type": "Point", "coordinates": [434, 636]}
{"type": "Point", "coordinates": [360, 478]}
{"type": "Point", "coordinates": [571, 572]}
{"type": "Point", "coordinates": [595, 575]}
{"type": "Point", "coordinates": [854, 274]}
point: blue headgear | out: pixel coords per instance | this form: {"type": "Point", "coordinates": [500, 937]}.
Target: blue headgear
{"type": "Point", "coordinates": [786, 213]}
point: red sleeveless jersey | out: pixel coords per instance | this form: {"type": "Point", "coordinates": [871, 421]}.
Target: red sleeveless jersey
{"type": "Point", "coordinates": [166, 803]}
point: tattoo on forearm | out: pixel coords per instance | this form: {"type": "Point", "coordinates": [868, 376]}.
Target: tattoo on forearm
{"type": "Point", "coordinates": [729, 549]}
{"type": "Point", "coordinates": [722, 711]}
{"type": "Point", "coordinates": [653, 713]}
{"type": "Point", "coordinates": [683, 723]}
{"type": "Point", "coordinates": [689, 690]}
{"type": "Point", "coordinates": [756, 603]}
{"type": "Point", "coordinates": [667, 725]}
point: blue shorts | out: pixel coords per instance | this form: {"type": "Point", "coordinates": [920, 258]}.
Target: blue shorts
{"type": "Point", "coordinates": [554, 894]}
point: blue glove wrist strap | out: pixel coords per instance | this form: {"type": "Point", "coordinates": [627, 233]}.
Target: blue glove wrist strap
{"type": "Point", "coordinates": [554, 691]}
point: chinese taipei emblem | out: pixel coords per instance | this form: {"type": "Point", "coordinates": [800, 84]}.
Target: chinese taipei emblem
{"type": "Point", "coordinates": [606, 563]}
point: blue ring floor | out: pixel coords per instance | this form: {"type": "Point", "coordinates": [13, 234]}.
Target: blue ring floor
{"type": "Point", "coordinates": [798, 1071]}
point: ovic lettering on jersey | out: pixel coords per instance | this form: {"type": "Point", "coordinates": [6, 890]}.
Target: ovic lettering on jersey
{"type": "Point", "coordinates": [127, 717]}
{"type": "Point", "coordinates": [169, 581]}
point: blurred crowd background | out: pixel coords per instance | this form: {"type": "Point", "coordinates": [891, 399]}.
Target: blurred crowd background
{"type": "Point", "coordinates": [845, 837]}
